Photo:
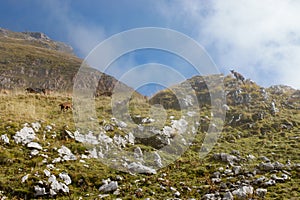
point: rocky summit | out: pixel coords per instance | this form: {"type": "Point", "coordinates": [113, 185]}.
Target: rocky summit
{"type": "Point", "coordinates": [46, 152]}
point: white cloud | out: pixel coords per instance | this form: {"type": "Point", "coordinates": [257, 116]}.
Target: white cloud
{"type": "Point", "coordinates": [259, 38]}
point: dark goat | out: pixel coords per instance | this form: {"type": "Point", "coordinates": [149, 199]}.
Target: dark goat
{"type": "Point", "coordinates": [35, 90]}
{"type": "Point", "coordinates": [238, 76]}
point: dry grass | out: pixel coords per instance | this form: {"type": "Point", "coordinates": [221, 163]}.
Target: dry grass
{"type": "Point", "coordinates": [18, 108]}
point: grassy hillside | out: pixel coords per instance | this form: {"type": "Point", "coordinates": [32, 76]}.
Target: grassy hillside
{"type": "Point", "coordinates": [276, 137]}
{"type": "Point", "coordinates": [33, 60]}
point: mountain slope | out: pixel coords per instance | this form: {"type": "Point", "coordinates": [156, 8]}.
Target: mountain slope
{"type": "Point", "coordinates": [43, 154]}
{"type": "Point", "coordinates": [256, 156]}
{"type": "Point", "coordinates": [31, 59]}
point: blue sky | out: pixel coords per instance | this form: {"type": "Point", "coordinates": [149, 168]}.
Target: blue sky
{"type": "Point", "coordinates": [260, 39]}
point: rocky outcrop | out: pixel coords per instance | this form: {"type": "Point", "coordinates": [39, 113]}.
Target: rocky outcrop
{"type": "Point", "coordinates": [248, 183]}
{"type": "Point", "coordinates": [36, 38]}
{"type": "Point", "coordinates": [25, 135]}
{"type": "Point", "coordinates": [108, 186]}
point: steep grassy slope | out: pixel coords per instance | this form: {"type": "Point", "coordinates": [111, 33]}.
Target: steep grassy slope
{"type": "Point", "coordinates": [252, 133]}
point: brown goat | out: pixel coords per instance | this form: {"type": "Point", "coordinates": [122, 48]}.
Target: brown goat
{"type": "Point", "coordinates": [65, 106]}
{"type": "Point", "coordinates": [47, 91]}
{"type": "Point", "coordinates": [4, 91]}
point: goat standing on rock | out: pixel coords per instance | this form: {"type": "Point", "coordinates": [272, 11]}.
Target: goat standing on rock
{"type": "Point", "coordinates": [238, 76]}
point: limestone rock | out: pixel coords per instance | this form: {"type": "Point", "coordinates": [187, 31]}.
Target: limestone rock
{"type": "Point", "coordinates": [227, 196]}
{"type": "Point", "coordinates": [24, 136]}
{"type": "Point", "coordinates": [121, 124]}
{"type": "Point", "coordinates": [120, 141]}
{"type": "Point", "coordinates": [24, 178]}
{"type": "Point", "coordinates": [269, 183]}
{"type": "Point", "coordinates": [47, 173]}
{"type": "Point", "coordinates": [104, 138]}
{"type": "Point", "coordinates": [130, 138]}
{"type": "Point", "coordinates": [236, 169]}
{"type": "Point", "coordinates": [39, 191]}
{"type": "Point", "coordinates": [147, 120]}
{"type": "Point", "coordinates": [243, 192]}
{"type": "Point", "coordinates": [261, 192]}
{"type": "Point", "coordinates": [259, 180]}
{"type": "Point", "coordinates": [70, 134]}
{"type": "Point", "coordinates": [34, 152]}
{"type": "Point", "coordinates": [108, 127]}
{"type": "Point", "coordinates": [109, 187]}
{"type": "Point", "coordinates": [226, 158]}
{"type": "Point", "coordinates": [65, 177]}
{"type": "Point", "coordinates": [36, 126]}
{"type": "Point", "coordinates": [34, 145]}
{"type": "Point", "coordinates": [265, 159]}
{"type": "Point", "coordinates": [66, 153]}
{"type": "Point", "coordinates": [138, 154]}
{"type": "Point", "coordinates": [266, 166]}
{"type": "Point", "coordinates": [209, 197]}
{"type": "Point", "coordinates": [157, 160]}
{"type": "Point", "coordinates": [48, 128]}
{"type": "Point", "coordinates": [137, 167]}
{"type": "Point", "coordinates": [57, 186]}
{"type": "Point", "coordinates": [5, 139]}
{"type": "Point", "coordinates": [277, 165]}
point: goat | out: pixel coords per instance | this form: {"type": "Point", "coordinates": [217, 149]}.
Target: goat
{"type": "Point", "coordinates": [4, 91]}
{"type": "Point", "coordinates": [65, 106]}
{"type": "Point", "coordinates": [47, 91]}
{"type": "Point", "coordinates": [35, 90]}
{"type": "Point", "coordinates": [238, 76]}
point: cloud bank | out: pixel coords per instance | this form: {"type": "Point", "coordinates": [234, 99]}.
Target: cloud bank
{"type": "Point", "coordinates": [259, 38]}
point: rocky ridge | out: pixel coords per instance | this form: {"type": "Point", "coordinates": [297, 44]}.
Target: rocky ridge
{"type": "Point", "coordinates": [37, 39]}
{"type": "Point", "coordinates": [32, 59]}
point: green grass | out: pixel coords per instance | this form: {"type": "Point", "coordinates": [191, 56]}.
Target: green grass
{"type": "Point", "coordinates": [265, 139]}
